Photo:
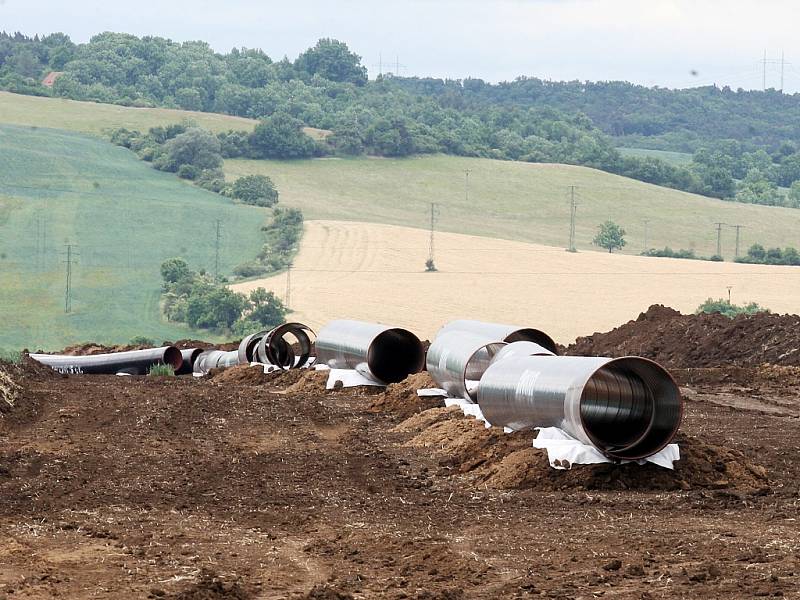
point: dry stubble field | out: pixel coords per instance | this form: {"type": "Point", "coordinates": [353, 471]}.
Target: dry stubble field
{"type": "Point", "coordinates": [376, 272]}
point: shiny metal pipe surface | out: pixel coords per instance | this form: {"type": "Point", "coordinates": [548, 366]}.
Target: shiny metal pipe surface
{"type": "Point", "coordinates": [521, 349]}
{"type": "Point", "coordinates": [629, 408]}
{"type": "Point", "coordinates": [457, 360]}
{"type": "Point", "coordinates": [133, 362]}
{"type": "Point", "coordinates": [248, 346]}
{"type": "Point", "coordinates": [382, 352]}
{"type": "Point", "coordinates": [505, 333]}
{"type": "Point", "coordinates": [215, 359]}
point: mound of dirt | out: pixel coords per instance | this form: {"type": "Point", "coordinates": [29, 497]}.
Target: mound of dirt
{"type": "Point", "coordinates": [402, 399]}
{"type": "Point", "coordinates": [507, 461]}
{"type": "Point", "coordinates": [705, 340]}
{"type": "Point", "coordinates": [210, 587]}
{"type": "Point", "coordinates": [239, 374]}
{"type": "Point", "coordinates": [305, 381]}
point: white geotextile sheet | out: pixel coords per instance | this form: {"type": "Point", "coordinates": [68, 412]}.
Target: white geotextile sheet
{"type": "Point", "coordinates": [563, 451]}
{"type": "Point", "coordinates": [349, 378]}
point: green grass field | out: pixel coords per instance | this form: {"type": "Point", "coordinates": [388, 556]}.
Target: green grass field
{"type": "Point", "coordinates": [521, 201]}
{"type": "Point", "coordinates": [59, 188]}
{"type": "Point", "coordinates": [679, 159]}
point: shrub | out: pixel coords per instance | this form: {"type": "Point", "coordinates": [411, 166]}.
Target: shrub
{"type": "Point", "coordinates": [140, 340]}
{"type": "Point", "coordinates": [161, 370]}
{"type": "Point", "coordinates": [249, 269]}
{"type": "Point", "coordinates": [255, 189]}
{"type": "Point", "coordinates": [729, 310]}
{"type": "Point", "coordinates": [190, 172]}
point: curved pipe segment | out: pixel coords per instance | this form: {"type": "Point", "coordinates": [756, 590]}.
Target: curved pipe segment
{"type": "Point", "coordinates": [505, 333]}
{"type": "Point", "coordinates": [288, 346]}
{"type": "Point", "coordinates": [628, 408]}
{"type": "Point", "coordinates": [521, 349]}
{"type": "Point", "coordinates": [132, 362]}
{"type": "Point", "coordinates": [383, 353]}
{"type": "Point", "coordinates": [457, 360]}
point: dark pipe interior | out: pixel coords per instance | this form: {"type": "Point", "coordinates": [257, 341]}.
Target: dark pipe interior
{"type": "Point", "coordinates": [535, 336]}
{"type": "Point", "coordinates": [394, 355]}
{"type": "Point", "coordinates": [172, 356]}
{"type": "Point", "coordinates": [631, 408]}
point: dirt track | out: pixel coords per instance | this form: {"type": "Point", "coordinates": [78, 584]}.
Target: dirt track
{"type": "Point", "coordinates": [251, 486]}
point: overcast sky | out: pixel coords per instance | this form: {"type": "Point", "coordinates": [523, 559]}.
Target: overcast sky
{"type": "Point", "coordinates": [654, 42]}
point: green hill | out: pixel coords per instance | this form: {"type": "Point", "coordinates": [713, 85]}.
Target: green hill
{"type": "Point", "coordinates": [514, 200]}
{"type": "Point", "coordinates": [59, 188]}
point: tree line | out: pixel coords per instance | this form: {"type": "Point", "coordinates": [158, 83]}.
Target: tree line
{"type": "Point", "coordinates": [529, 119]}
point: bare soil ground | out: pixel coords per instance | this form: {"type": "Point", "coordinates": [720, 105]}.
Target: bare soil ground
{"type": "Point", "coordinates": [247, 486]}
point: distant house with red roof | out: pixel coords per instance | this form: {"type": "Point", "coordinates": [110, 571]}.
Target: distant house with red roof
{"type": "Point", "coordinates": [51, 78]}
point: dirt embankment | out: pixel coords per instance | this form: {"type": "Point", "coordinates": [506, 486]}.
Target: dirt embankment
{"type": "Point", "coordinates": [705, 340]}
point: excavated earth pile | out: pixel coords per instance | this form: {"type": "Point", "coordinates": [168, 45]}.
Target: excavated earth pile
{"type": "Point", "coordinates": [705, 340]}
{"type": "Point", "coordinates": [243, 485]}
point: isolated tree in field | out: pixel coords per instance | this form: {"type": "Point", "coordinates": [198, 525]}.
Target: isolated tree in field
{"type": "Point", "coordinates": [610, 236]}
{"type": "Point", "coordinates": [281, 136]}
{"type": "Point", "coordinates": [255, 189]}
{"type": "Point", "coordinates": [266, 308]}
{"type": "Point", "coordinates": [174, 269]}
{"type": "Point", "coordinates": [196, 147]}
{"type": "Point", "coordinates": [332, 60]}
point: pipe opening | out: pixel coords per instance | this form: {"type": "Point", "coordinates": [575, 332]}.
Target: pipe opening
{"type": "Point", "coordinates": [172, 356]}
{"type": "Point", "coordinates": [533, 335]}
{"type": "Point", "coordinates": [630, 408]}
{"type": "Point", "coordinates": [476, 366]}
{"type": "Point", "coordinates": [394, 355]}
{"type": "Point", "coordinates": [288, 346]}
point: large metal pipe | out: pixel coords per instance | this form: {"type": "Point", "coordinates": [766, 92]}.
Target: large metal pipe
{"type": "Point", "coordinates": [629, 408]}
{"type": "Point", "coordinates": [505, 333]}
{"type": "Point", "coordinates": [457, 359]}
{"type": "Point", "coordinates": [288, 346]}
{"type": "Point", "coordinates": [215, 359]}
{"type": "Point", "coordinates": [133, 362]}
{"type": "Point", "coordinates": [521, 349]}
{"type": "Point", "coordinates": [189, 356]}
{"type": "Point", "coordinates": [384, 353]}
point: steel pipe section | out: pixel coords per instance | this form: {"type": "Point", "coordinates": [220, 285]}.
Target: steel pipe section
{"type": "Point", "coordinates": [521, 349]}
{"type": "Point", "coordinates": [383, 353]}
{"type": "Point", "coordinates": [215, 359]}
{"type": "Point", "coordinates": [189, 356]}
{"type": "Point", "coordinates": [629, 408]}
{"type": "Point", "coordinates": [288, 346]}
{"type": "Point", "coordinates": [505, 333]}
{"type": "Point", "coordinates": [457, 360]}
{"type": "Point", "coordinates": [133, 362]}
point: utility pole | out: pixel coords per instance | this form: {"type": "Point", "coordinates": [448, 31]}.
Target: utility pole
{"type": "Point", "coordinates": [71, 257]}
{"type": "Point", "coordinates": [764, 72]}
{"type": "Point", "coordinates": [646, 223]}
{"type": "Point", "coordinates": [466, 185]}
{"type": "Point", "coordinates": [719, 238]}
{"type": "Point", "coordinates": [216, 250]}
{"type": "Point", "coordinates": [729, 292]}
{"type": "Point", "coordinates": [288, 295]}
{"type": "Point", "coordinates": [572, 210]}
{"type": "Point", "coordinates": [431, 265]}
{"type": "Point", "coordinates": [737, 228]}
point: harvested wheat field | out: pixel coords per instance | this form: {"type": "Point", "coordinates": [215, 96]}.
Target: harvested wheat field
{"type": "Point", "coordinates": [567, 295]}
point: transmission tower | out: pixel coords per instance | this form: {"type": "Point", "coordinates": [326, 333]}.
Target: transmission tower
{"type": "Point", "coordinates": [573, 209]}
{"type": "Point", "coordinates": [430, 265]}
{"type": "Point", "coordinates": [71, 257]}
{"type": "Point", "coordinates": [216, 249]}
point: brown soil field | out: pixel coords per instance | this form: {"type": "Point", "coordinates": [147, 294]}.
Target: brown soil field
{"type": "Point", "coordinates": [565, 294]}
{"type": "Point", "coordinates": [249, 486]}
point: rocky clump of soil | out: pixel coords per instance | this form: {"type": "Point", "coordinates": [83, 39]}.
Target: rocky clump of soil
{"type": "Point", "coordinates": [705, 340]}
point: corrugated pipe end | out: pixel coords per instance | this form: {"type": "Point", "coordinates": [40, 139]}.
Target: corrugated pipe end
{"type": "Point", "coordinates": [395, 354]}
{"type": "Point", "coordinates": [533, 335]}
{"type": "Point", "coordinates": [172, 356]}
{"type": "Point", "coordinates": [631, 408]}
